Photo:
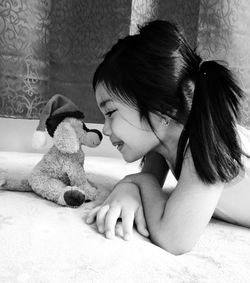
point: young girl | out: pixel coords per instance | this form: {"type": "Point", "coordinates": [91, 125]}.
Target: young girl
{"type": "Point", "coordinates": [163, 103]}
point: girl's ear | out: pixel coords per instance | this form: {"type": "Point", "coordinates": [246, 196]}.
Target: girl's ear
{"type": "Point", "coordinates": [165, 120]}
{"type": "Point", "coordinates": [65, 138]}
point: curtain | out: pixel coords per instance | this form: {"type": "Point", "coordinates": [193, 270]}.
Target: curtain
{"type": "Point", "coordinates": [183, 13]}
{"type": "Point", "coordinates": [54, 46]}
{"type": "Point", "coordinates": [224, 34]}
{"type": "Point", "coordinates": [23, 60]}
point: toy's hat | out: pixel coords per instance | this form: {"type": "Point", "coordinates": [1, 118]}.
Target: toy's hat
{"type": "Point", "coordinates": [56, 109]}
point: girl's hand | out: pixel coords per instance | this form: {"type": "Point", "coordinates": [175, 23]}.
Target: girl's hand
{"type": "Point", "coordinates": [125, 203]}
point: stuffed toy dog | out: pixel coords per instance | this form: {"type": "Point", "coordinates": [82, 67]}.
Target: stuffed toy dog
{"type": "Point", "coordinates": [60, 175]}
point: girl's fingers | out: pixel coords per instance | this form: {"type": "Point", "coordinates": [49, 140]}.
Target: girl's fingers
{"type": "Point", "coordinates": [92, 215]}
{"type": "Point", "coordinates": [141, 223]}
{"type": "Point", "coordinates": [111, 220]}
{"type": "Point", "coordinates": [127, 224]}
{"type": "Point", "coordinates": [100, 218]}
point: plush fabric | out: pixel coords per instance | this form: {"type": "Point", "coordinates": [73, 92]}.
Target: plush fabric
{"type": "Point", "coordinates": [43, 242]}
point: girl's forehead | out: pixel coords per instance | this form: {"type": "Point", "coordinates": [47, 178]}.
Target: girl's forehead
{"type": "Point", "coordinates": [105, 99]}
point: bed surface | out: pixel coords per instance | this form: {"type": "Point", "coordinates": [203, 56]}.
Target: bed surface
{"type": "Point", "coordinates": [41, 242]}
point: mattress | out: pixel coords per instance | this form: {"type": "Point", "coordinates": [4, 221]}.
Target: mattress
{"type": "Point", "coordinates": [44, 242]}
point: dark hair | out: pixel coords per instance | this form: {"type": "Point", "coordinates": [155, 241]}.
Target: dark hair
{"type": "Point", "coordinates": [157, 71]}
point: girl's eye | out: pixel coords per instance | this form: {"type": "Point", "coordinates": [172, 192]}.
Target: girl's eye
{"type": "Point", "coordinates": [109, 113]}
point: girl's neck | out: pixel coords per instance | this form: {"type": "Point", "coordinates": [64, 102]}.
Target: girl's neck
{"type": "Point", "coordinates": [168, 148]}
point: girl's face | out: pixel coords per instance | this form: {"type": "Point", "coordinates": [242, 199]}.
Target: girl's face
{"type": "Point", "coordinates": [132, 137]}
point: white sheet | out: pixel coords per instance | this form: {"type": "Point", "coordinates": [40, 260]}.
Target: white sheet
{"type": "Point", "coordinates": [41, 242]}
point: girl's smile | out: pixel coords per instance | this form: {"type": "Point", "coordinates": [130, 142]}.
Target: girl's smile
{"type": "Point", "coordinates": [118, 145]}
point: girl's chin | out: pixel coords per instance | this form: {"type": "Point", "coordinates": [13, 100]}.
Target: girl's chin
{"type": "Point", "coordinates": [131, 158]}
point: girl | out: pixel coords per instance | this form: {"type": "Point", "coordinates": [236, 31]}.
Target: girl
{"type": "Point", "coordinates": [161, 101]}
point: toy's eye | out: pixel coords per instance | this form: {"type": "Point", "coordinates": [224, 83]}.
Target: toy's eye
{"type": "Point", "coordinates": [109, 113]}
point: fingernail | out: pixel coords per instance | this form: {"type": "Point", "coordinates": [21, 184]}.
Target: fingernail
{"type": "Point", "coordinates": [109, 235]}
{"type": "Point", "coordinates": [127, 237]}
{"type": "Point", "coordinates": [101, 229]}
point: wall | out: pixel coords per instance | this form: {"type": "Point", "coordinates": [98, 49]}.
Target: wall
{"type": "Point", "coordinates": [16, 135]}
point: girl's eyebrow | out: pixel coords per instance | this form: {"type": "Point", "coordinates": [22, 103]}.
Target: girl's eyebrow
{"type": "Point", "coordinates": [104, 102]}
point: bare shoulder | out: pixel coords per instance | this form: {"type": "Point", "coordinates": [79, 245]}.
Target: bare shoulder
{"type": "Point", "coordinates": [190, 181]}
{"type": "Point", "coordinates": [244, 136]}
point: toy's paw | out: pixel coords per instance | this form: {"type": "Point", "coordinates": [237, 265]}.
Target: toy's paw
{"type": "Point", "coordinates": [74, 198]}
{"type": "Point", "coordinates": [90, 191]}
{"type": "Point", "coordinates": [2, 178]}
{"type": "Point", "coordinates": [2, 182]}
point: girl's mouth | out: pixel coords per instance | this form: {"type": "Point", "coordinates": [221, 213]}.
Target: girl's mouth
{"type": "Point", "coordinates": [118, 145]}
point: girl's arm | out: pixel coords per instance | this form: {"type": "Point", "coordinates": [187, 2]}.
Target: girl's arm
{"type": "Point", "coordinates": [177, 223]}
{"type": "Point", "coordinates": [125, 202]}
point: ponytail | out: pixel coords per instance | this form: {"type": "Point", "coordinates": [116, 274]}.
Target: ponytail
{"type": "Point", "coordinates": [211, 124]}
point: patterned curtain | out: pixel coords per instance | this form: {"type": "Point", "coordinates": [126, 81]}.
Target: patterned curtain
{"type": "Point", "coordinates": [224, 34]}
{"type": "Point", "coordinates": [24, 65]}
{"type": "Point", "coordinates": [184, 13]}
{"type": "Point", "coordinates": [54, 46]}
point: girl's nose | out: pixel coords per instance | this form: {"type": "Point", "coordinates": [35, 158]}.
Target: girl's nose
{"type": "Point", "coordinates": [106, 129]}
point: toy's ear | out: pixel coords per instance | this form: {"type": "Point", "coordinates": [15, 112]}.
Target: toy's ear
{"type": "Point", "coordinates": [65, 138]}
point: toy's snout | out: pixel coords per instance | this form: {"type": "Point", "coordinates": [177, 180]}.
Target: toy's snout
{"type": "Point", "coordinates": [93, 138]}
